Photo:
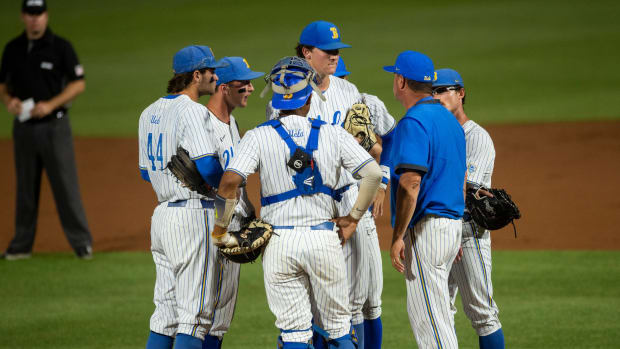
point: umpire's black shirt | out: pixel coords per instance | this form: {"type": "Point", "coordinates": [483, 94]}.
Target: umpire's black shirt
{"type": "Point", "coordinates": [39, 69]}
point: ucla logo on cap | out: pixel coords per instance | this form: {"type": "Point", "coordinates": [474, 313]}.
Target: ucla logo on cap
{"type": "Point", "coordinates": [435, 77]}
{"type": "Point", "coordinates": [334, 32]}
{"type": "Point", "coordinates": [248, 64]}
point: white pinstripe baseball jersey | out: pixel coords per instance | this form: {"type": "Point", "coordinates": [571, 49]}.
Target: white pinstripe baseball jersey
{"type": "Point", "coordinates": [226, 138]}
{"type": "Point", "coordinates": [480, 154]}
{"type": "Point", "coordinates": [170, 122]}
{"type": "Point", "coordinates": [471, 277]}
{"type": "Point", "coordinates": [262, 148]}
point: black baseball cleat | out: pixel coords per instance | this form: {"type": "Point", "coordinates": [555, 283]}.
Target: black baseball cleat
{"type": "Point", "coordinates": [84, 252]}
{"type": "Point", "coordinates": [11, 255]}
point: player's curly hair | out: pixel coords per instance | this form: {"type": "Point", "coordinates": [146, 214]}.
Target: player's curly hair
{"type": "Point", "coordinates": [179, 82]}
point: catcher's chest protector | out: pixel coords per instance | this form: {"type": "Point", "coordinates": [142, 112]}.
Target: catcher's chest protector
{"type": "Point", "coordinates": [308, 178]}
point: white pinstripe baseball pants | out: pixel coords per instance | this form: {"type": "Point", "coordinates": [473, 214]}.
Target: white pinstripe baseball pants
{"type": "Point", "coordinates": [472, 278]}
{"type": "Point", "coordinates": [358, 269]}
{"type": "Point", "coordinates": [195, 288]}
{"type": "Point", "coordinates": [428, 258]}
{"type": "Point", "coordinates": [302, 268]}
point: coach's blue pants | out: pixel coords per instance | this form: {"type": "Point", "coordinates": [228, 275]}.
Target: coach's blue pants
{"type": "Point", "coordinates": [493, 341]}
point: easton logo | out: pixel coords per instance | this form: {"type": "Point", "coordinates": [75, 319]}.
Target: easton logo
{"type": "Point", "coordinates": [309, 181]}
{"type": "Point", "coordinates": [297, 164]}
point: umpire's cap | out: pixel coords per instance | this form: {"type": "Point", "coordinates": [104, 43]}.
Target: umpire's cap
{"type": "Point", "coordinates": [194, 57]}
{"type": "Point", "coordinates": [414, 66]}
{"type": "Point", "coordinates": [34, 7]}
{"type": "Point", "coordinates": [323, 35]}
{"type": "Point", "coordinates": [448, 77]}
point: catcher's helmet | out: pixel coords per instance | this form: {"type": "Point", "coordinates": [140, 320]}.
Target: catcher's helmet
{"type": "Point", "coordinates": [292, 80]}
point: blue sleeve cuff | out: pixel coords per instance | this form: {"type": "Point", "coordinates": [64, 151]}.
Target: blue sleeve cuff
{"type": "Point", "coordinates": [210, 170]}
{"type": "Point", "coordinates": [145, 175]}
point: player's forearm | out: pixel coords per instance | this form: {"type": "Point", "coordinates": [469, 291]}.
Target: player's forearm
{"type": "Point", "coordinates": [72, 90]}
{"type": "Point", "coordinates": [406, 199]}
{"type": "Point", "coordinates": [371, 178]}
{"type": "Point", "coordinates": [226, 198]}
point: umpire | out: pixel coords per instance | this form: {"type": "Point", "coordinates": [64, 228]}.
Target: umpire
{"type": "Point", "coordinates": [39, 75]}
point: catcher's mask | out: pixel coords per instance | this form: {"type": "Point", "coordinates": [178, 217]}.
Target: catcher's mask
{"type": "Point", "coordinates": [292, 81]}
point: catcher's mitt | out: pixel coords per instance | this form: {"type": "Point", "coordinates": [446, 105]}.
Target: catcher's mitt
{"type": "Point", "coordinates": [184, 169]}
{"type": "Point", "coordinates": [357, 123]}
{"type": "Point", "coordinates": [251, 239]}
{"type": "Point", "coordinates": [492, 212]}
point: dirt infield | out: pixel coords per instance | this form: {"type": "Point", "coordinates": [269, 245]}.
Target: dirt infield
{"type": "Point", "coordinates": [563, 176]}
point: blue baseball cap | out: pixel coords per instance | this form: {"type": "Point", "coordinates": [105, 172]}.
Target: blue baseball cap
{"type": "Point", "coordinates": [448, 77]}
{"type": "Point", "coordinates": [341, 69]}
{"type": "Point", "coordinates": [292, 100]}
{"type": "Point", "coordinates": [194, 57]}
{"type": "Point", "coordinates": [238, 68]}
{"type": "Point", "coordinates": [414, 66]}
{"type": "Point", "coordinates": [323, 35]}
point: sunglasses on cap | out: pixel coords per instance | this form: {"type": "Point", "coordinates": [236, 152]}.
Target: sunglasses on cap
{"type": "Point", "coordinates": [443, 89]}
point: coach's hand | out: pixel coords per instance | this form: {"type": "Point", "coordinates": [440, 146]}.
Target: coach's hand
{"type": "Point", "coordinates": [346, 227]}
{"type": "Point", "coordinates": [397, 255]}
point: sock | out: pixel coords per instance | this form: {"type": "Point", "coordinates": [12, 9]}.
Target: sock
{"type": "Point", "coordinates": [493, 341]}
{"type": "Point", "coordinates": [373, 334]}
{"type": "Point", "coordinates": [211, 342]}
{"type": "Point", "coordinates": [159, 341]}
{"type": "Point", "coordinates": [185, 341]}
{"type": "Point", "coordinates": [359, 335]}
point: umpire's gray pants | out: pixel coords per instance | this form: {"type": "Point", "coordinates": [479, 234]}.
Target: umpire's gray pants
{"type": "Point", "coordinates": [38, 145]}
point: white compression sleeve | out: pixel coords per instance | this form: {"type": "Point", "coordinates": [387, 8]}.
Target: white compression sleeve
{"type": "Point", "coordinates": [371, 178]}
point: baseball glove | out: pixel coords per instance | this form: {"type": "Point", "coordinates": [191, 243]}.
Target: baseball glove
{"type": "Point", "coordinates": [357, 123]}
{"type": "Point", "coordinates": [251, 240]}
{"type": "Point", "coordinates": [491, 212]}
{"type": "Point", "coordinates": [184, 169]}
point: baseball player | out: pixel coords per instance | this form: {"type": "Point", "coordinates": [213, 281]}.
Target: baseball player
{"type": "Point", "coordinates": [233, 88]}
{"type": "Point", "coordinates": [188, 267]}
{"type": "Point", "coordinates": [373, 328]}
{"type": "Point", "coordinates": [427, 157]}
{"type": "Point", "coordinates": [300, 166]}
{"type": "Point", "coordinates": [472, 274]}
{"type": "Point", "coordinates": [319, 45]}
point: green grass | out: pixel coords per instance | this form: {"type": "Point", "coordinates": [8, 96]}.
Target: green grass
{"type": "Point", "coordinates": [522, 61]}
{"type": "Point", "coordinates": [565, 299]}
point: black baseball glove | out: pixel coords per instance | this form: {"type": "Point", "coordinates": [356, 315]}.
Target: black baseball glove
{"type": "Point", "coordinates": [251, 240]}
{"type": "Point", "coordinates": [491, 212]}
{"type": "Point", "coordinates": [184, 169]}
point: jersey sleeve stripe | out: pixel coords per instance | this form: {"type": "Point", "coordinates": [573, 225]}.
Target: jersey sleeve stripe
{"type": "Point", "coordinates": [362, 165]}
{"type": "Point", "coordinates": [203, 156]}
{"type": "Point", "coordinates": [237, 172]}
